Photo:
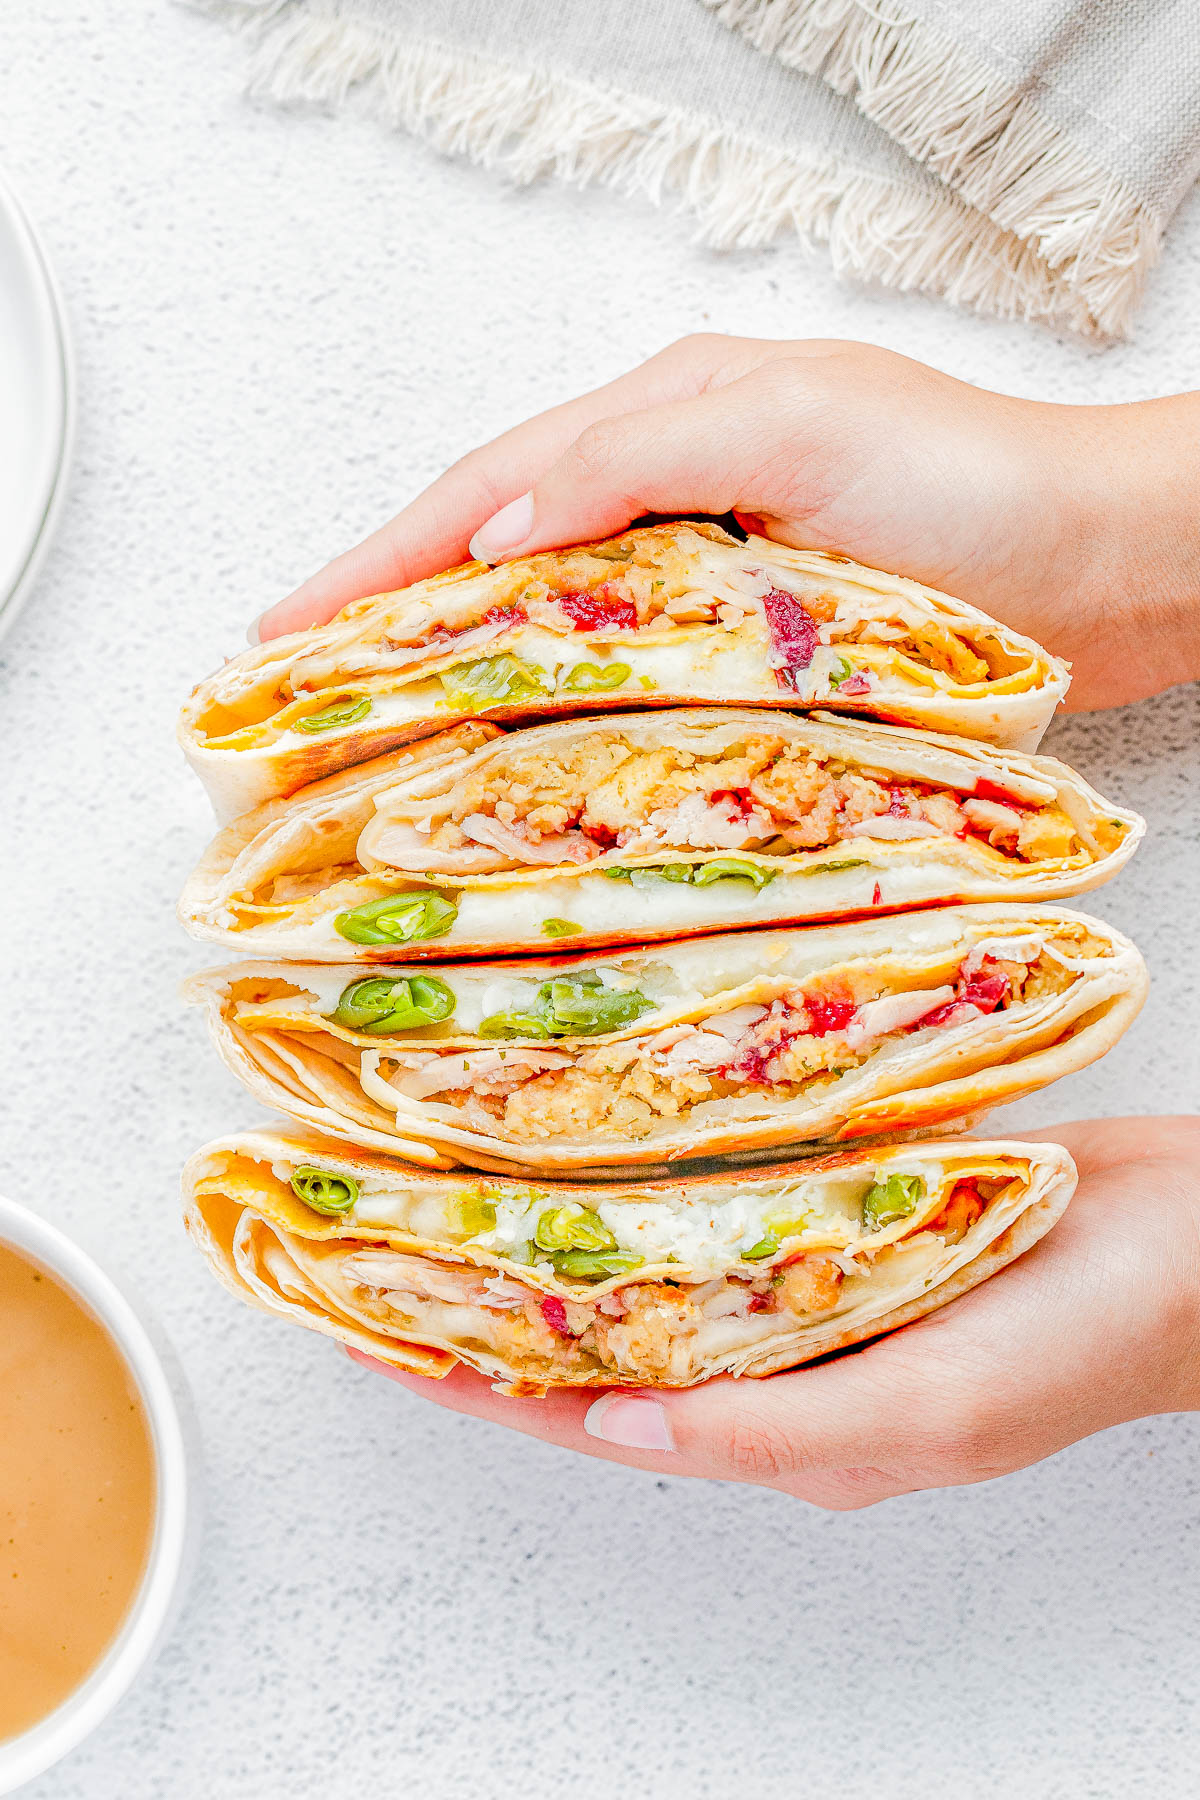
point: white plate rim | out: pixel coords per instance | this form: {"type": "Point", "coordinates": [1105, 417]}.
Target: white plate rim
{"type": "Point", "coordinates": [49, 299]}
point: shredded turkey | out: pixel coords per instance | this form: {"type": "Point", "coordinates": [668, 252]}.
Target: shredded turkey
{"type": "Point", "coordinates": [698, 1050]}
{"type": "Point", "coordinates": [598, 793]}
{"type": "Point", "coordinates": [418, 1078]}
{"type": "Point", "coordinates": [512, 841]}
{"type": "Point", "coordinates": [503, 1293]}
{"type": "Point", "coordinates": [997, 820]}
{"type": "Point", "coordinates": [454, 643]}
{"type": "Point", "coordinates": [1001, 949]}
{"type": "Point", "coordinates": [411, 847]}
{"type": "Point", "coordinates": [732, 1024]}
{"type": "Point", "coordinates": [893, 1013]}
{"type": "Point", "coordinates": [885, 825]}
{"type": "Point", "coordinates": [706, 825]}
{"type": "Point", "coordinates": [393, 1270]}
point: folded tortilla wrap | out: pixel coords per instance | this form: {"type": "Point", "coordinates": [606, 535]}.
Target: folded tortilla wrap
{"type": "Point", "coordinates": [662, 616]}
{"type": "Point", "coordinates": [641, 827]}
{"type": "Point", "coordinates": [649, 1284]}
{"type": "Point", "coordinates": [711, 1046]}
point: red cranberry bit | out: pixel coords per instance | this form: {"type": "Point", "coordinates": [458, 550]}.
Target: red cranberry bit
{"type": "Point", "coordinates": [985, 992]}
{"type": "Point", "coordinates": [555, 1315]}
{"type": "Point", "coordinates": [739, 798]}
{"type": "Point", "coordinates": [495, 615]}
{"type": "Point", "coordinates": [600, 611]}
{"type": "Point", "coordinates": [858, 683]}
{"type": "Point", "coordinates": [898, 804]}
{"type": "Point", "coordinates": [877, 895]}
{"type": "Point", "coordinates": [793, 634]}
{"type": "Point", "coordinates": [505, 615]}
{"type": "Point", "coordinates": [825, 1016]}
{"type": "Point", "coordinates": [751, 1065]}
{"type": "Point", "coordinates": [938, 1016]}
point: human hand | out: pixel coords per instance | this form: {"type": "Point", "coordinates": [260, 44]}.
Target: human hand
{"type": "Point", "coordinates": [1074, 524]}
{"type": "Point", "coordinates": [1098, 1323]}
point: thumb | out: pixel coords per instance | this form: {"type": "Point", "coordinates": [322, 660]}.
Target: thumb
{"type": "Point", "coordinates": [718, 452]}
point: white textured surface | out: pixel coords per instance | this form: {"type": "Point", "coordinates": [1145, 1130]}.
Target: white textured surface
{"type": "Point", "coordinates": [284, 325]}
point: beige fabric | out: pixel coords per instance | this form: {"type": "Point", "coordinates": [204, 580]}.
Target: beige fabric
{"type": "Point", "coordinates": [1023, 160]}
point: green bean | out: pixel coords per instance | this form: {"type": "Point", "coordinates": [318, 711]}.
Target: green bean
{"type": "Point", "coordinates": [324, 1191]}
{"type": "Point", "coordinates": [380, 1006]}
{"type": "Point", "coordinates": [343, 712]}
{"type": "Point", "coordinates": [493, 681]}
{"type": "Point", "coordinates": [398, 918]}
{"type": "Point", "coordinates": [887, 1201]}
{"type": "Point", "coordinates": [572, 1227]}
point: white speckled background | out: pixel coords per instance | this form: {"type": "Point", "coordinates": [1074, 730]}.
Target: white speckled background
{"type": "Point", "coordinates": [284, 326]}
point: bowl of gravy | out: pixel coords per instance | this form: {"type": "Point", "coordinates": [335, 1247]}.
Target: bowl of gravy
{"type": "Point", "coordinates": [95, 1501]}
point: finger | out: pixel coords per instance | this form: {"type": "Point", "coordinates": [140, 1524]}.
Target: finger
{"type": "Point", "coordinates": [558, 1418]}
{"type": "Point", "coordinates": [1101, 1144]}
{"type": "Point", "coordinates": [433, 532]}
{"type": "Point", "coordinates": [737, 447]}
{"type": "Point", "coordinates": [817, 1432]}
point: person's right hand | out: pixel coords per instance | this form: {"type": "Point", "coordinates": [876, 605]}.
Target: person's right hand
{"type": "Point", "coordinates": [1074, 524]}
{"type": "Point", "coordinates": [1098, 1323]}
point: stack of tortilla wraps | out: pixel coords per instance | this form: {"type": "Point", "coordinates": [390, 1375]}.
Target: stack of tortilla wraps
{"type": "Point", "coordinates": [628, 933]}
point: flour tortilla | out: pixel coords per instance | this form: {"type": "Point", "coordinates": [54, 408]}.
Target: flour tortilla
{"type": "Point", "coordinates": [295, 1059]}
{"type": "Point", "coordinates": [391, 649]}
{"type": "Point", "coordinates": [269, 1248]}
{"type": "Point", "coordinates": [499, 914]}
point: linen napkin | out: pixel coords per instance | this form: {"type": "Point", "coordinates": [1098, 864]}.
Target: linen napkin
{"type": "Point", "coordinates": [1021, 159]}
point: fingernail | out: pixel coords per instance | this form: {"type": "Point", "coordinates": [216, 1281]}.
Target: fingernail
{"type": "Point", "coordinates": [632, 1420]}
{"type": "Point", "coordinates": [504, 531]}
{"type": "Point", "coordinates": [253, 635]}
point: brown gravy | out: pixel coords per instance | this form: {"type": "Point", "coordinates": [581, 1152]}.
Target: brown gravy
{"type": "Point", "coordinates": [77, 1492]}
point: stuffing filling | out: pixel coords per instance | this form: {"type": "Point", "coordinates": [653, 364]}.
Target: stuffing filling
{"type": "Point", "coordinates": [641, 584]}
{"type": "Point", "coordinates": [602, 797]}
{"type": "Point", "coordinates": [795, 1044]}
{"type": "Point", "coordinates": [661, 1329]}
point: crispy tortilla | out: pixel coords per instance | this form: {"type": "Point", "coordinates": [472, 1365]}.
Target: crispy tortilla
{"type": "Point", "coordinates": [731, 1045]}
{"type": "Point", "coordinates": [283, 880]}
{"type": "Point", "coordinates": [426, 1270]}
{"type": "Point", "coordinates": [668, 615]}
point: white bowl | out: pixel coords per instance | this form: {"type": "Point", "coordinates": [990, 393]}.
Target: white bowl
{"type": "Point", "coordinates": [36, 403]}
{"type": "Point", "coordinates": [153, 1608]}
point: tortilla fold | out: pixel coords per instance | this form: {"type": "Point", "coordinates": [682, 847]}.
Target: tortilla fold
{"type": "Point", "coordinates": [642, 827]}
{"type": "Point", "coordinates": [667, 615]}
{"type": "Point", "coordinates": [733, 1045]}
{"type": "Point", "coordinates": [741, 1272]}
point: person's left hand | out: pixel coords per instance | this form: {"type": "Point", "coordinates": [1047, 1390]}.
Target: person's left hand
{"type": "Point", "coordinates": [1097, 1324]}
